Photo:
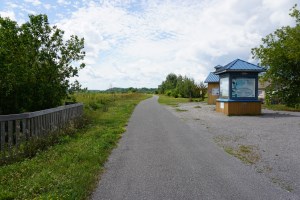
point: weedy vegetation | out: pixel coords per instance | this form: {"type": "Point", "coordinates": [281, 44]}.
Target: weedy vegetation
{"type": "Point", "coordinates": [70, 169]}
{"type": "Point", "coordinates": [281, 107]}
{"type": "Point", "coordinates": [180, 110]}
{"type": "Point", "coordinates": [246, 153]}
{"type": "Point", "coordinates": [171, 101]}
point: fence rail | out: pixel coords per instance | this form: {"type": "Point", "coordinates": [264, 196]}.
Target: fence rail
{"type": "Point", "coordinates": [16, 129]}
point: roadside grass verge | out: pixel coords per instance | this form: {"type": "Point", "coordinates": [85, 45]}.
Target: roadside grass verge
{"type": "Point", "coordinates": [71, 168]}
{"type": "Point", "coordinates": [171, 101]}
{"type": "Point", "coordinates": [280, 107]}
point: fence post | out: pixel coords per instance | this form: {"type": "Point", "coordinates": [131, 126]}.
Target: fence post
{"type": "Point", "coordinates": [10, 137]}
{"type": "Point", "coordinates": [17, 135]}
{"type": "Point", "coordinates": [3, 134]}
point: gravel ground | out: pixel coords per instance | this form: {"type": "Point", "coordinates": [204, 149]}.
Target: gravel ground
{"type": "Point", "coordinates": [269, 143]}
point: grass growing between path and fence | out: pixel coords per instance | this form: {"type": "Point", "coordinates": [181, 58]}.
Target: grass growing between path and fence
{"type": "Point", "coordinates": [70, 169]}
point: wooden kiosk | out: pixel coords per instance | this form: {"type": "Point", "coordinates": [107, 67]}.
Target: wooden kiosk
{"type": "Point", "coordinates": [213, 86]}
{"type": "Point", "coordinates": [239, 89]}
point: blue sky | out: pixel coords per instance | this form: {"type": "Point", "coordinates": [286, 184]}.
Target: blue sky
{"type": "Point", "coordinates": [136, 43]}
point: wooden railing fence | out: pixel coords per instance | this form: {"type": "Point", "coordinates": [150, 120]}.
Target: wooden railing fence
{"type": "Point", "coordinates": [17, 129]}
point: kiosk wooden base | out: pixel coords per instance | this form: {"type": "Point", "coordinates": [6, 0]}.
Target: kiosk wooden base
{"type": "Point", "coordinates": [239, 107]}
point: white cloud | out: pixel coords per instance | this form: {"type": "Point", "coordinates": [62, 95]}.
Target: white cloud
{"type": "Point", "coordinates": [63, 2]}
{"type": "Point", "coordinates": [279, 10]}
{"type": "Point", "coordinates": [33, 2]}
{"type": "Point", "coordinates": [12, 5]}
{"type": "Point", "coordinates": [137, 43]}
{"type": "Point", "coordinates": [9, 14]}
{"type": "Point", "coordinates": [47, 6]}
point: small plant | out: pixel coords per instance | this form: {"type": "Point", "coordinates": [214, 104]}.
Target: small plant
{"type": "Point", "coordinates": [180, 110]}
{"type": "Point", "coordinates": [93, 105]}
{"type": "Point", "coordinates": [283, 184]}
{"type": "Point", "coordinates": [105, 108]}
{"type": "Point", "coordinates": [247, 154]}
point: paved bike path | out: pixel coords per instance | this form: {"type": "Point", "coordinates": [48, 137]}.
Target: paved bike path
{"type": "Point", "coordinates": [160, 157]}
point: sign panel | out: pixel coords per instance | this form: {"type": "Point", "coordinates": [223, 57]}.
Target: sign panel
{"type": "Point", "coordinates": [215, 91]}
{"type": "Point", "coordinates": [222, 105]}
{"type": "Point", "coordinates": [224, 87]}
{"type": "Point", "coordinates": [243, 87]}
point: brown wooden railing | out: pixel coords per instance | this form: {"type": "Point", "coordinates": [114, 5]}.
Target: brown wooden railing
{"type": "Point", "coordinates": [17, 129]}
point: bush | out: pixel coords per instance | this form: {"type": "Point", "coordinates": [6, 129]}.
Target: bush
{"type": "Point", "coordinates": [39, 78]}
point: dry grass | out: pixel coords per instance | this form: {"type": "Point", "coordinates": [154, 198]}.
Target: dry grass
{"type": "Point", "coordinates": [248, 154]}
{"type": "Point", "coordinates": [180, 110]}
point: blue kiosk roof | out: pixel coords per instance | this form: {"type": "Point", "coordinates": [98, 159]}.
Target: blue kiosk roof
{"type": "Point", "coordinates": [240, 66]}
{"type": "Point", "coordinates": [212, 78]}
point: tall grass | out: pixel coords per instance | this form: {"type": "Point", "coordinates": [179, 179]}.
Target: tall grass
{"type": "Point", "coordinates": [171, 101]}
{"type": "Point", "coordinates": [70, 169]}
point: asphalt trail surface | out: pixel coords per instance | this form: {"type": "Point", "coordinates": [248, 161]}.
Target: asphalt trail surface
{"type": "Point", "coordinates": [160, 157]}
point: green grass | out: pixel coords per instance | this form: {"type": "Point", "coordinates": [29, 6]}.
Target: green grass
{"type": "Point", "coordinates": [71, 168]}
{"type": "Point", "coordinates": [280, 107]}
{"type": "Point", "coordinates": [171, 101]}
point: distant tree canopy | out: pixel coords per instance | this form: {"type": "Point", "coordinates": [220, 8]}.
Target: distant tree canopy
{"type": "Point", "coordinates": [280, 51]}
{"type": "Point", "coordinates": [130, 90]}
{"type": "Point", "coordinates": [36, 64]}
{"type": "Point", "coordinates": [178, 86]}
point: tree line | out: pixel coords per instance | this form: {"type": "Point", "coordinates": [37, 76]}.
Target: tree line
{"type": "Point", "coordinates": [280, 52]}
{"type": "Point", "coordinates": [36, 63]}
{"type": "Point", "coordinates": [131, 90]}
{"type": "Point", "coordinates": [182, 86]}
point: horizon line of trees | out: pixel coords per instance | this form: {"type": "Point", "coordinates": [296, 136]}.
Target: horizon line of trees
{"type": "Point", "coordinates": [130, 90]}
{"type": "Point", "coordinates": [182, 86]}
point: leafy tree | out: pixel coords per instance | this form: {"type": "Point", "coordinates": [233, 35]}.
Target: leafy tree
{"type": "Point", "coordinates": [179, 86]}
{"type": "Point", "coordinates": [188, 88]}
{"type": "Point", "coordinates": [36, 64]}
{"type": "Point", "coordinates": [202, 89]}
{"type": "Point", "coordinates": [280, 51]}
{"type": "Point", "coordinates": [171, 81]}
{"type": "Point", "coordinates": [169, 85]}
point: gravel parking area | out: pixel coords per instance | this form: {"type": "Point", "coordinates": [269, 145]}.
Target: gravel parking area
{"type": "Point", "coordinates": [269, 143]}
